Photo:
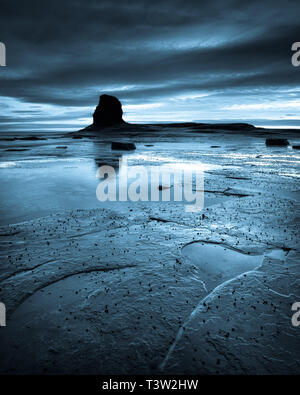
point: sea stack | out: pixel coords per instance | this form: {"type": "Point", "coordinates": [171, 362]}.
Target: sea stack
{"type": "Point", "coordinates": [277, 142]}
{"type": "Point", "coordinates": [108, 112]}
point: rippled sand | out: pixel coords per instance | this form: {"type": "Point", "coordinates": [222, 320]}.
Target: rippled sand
{"type": "Point", "coordinates": [146, 287]}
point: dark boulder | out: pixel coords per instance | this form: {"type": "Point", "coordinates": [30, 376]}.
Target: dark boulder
{"type": "Point", "coordinates": [108, 112]}
{"type": "Point", "coordinates": [32, 138]}
{"type": "Point", "coordinates": [277, 142]}
{"type": "Point", "coordinates": [123, 146]}
{"type": "Point", "coordinates": [296, 146]}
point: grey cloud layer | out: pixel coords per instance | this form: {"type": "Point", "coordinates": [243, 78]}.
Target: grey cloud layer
{"type": "Point", "coordinates": [67, 52]}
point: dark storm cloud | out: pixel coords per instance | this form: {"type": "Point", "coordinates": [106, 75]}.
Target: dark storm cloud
{"type": "Point", "coordinates": [67, 52]}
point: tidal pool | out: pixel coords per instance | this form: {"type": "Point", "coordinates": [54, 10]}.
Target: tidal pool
{"type": "Point", "coordinates": [219, 261]}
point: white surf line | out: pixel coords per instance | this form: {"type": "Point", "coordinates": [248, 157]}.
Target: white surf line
{"type": "Point", "coordinates": [199, 307]}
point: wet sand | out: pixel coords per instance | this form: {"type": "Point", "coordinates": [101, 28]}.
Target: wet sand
{"type": "Point", "coordinates": [141, 287]}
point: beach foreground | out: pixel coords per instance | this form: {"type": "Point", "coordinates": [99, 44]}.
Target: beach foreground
{"type": "Point", "coordinates": [144, 287]}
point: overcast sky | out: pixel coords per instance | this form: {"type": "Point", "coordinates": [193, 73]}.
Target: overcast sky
{"type": "Point", "coordinates": [165, 60]}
